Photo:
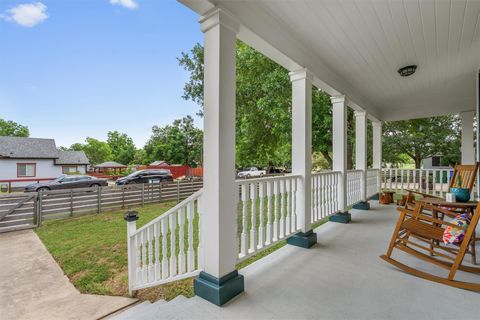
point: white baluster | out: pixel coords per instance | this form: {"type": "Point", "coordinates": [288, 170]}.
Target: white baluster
{"type": "Point", "coordinates": [282, 208]}
{"type": "Point", "coordinates": [275, 210]}
{"type": "Point", "coordinates": [144, 256]}
{"type": "Point", "coordinates": [269, 213]}
{"type": "Point", "coordinates": [190, 252]}
{"type": "Point", "coordinates": [261, 229]}
{"type": "Point", "coordinates": [288, 227]}
{"type": "Point", "coordinates": [173, 249]}
{"type": "Point", "coordinates": [138, 249]}
{"type": "Point", "coordinates": [243, 237]}
{"type": "Point", "coordinates": [164, 249]}
{"type": "Point", "coordinates": [181, 240]}
{"type": "Point", "coordinates": [253, 229]}
{"type": "Point", "coordinates": [156, 234]}
{"type": "Point", "coordinates": [150, 272]}
{"type": "Point", "coordinates": [294, 220]}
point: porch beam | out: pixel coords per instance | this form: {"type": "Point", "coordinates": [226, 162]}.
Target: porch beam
{"type": "Point", "coordinates": [361, 155]}
{"type": "Point", "coordinates": [302, 154]}
{"type": "Point", "coordinates": [219, 282]}
{"type": "Point", "coordinates": [468, 150]}
{"type": "Point", "coordinates": [339, 108]}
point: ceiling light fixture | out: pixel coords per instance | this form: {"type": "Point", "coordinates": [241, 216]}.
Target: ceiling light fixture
{"type": "Point", "coordinates": [407, 71]}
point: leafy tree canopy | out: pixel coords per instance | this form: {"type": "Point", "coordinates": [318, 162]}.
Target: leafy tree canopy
{"type": "Point", "coordinates": [263, 108]}
{"type": "Point", "coordinates": [13, 129]}
{"type": "Point", "coordinates": [122, 147]}
{"type": "Point", "coordinates": [179, 143]}
{"type": "Point", "coordinates": [97, 151]}
{"type": "Point", "coordinates": [422, 138]}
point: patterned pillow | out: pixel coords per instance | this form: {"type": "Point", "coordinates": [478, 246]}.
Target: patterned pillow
{"type": "Point", "coordinates": [455, 235]}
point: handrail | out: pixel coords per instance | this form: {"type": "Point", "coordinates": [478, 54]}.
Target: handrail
{"type": "Point", "coordinates": [267, 178]}
{"type": "Point", "coordinates": [171, 211]}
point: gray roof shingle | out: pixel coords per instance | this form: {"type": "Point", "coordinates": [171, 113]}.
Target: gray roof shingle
{"type": "Point", "coordinates": [20, 147]}
{"type": "Point", "coordinates": [72, 157]}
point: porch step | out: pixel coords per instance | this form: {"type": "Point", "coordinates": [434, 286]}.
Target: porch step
{"type": "Point", "coordinates": [178, 308]}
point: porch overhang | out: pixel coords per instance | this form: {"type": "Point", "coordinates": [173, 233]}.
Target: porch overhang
{"type": "Point", "coordinates": [355, 48]}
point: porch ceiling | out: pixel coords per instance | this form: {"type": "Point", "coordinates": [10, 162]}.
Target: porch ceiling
{"type": "Point", "coordinates": [355, 47]}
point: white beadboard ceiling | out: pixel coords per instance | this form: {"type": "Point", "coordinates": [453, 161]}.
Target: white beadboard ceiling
{"type": "Point", "coordinates": [355, 47]}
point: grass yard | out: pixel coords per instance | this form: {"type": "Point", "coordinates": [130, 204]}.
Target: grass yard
{"type": "Point", "coordinates": [92, 251]}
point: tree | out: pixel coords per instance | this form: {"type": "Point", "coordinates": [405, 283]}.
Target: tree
{"type": "Point", "coordinates": [96, 151]}
{"type": "Point", "coordinates": [179, 143]}
{"type": "Point", "coordinates": [122, 147]}
{"type": "Point", "coordinates": [263, 110]}
{"type": "Point", "coordinates": [422, 138]}
{"type": "Point", "coordinates": [13, 129]}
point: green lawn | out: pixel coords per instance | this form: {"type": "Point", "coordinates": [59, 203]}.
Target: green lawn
{"type": "Point", "coordinates": [92, 251]}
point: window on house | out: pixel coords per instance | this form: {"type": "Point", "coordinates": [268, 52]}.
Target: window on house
{"type": "Point", "coordinates": [26, 169]}
{"type": "Point", "coordinates": [436, 161]}
{"type": "Point", "coordinates": [69, 169]}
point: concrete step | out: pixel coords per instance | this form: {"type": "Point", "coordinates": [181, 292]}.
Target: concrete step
{"type": "Point", "coordinates": [131, 313]}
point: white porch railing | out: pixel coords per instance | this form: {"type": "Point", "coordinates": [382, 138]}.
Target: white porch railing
{"type": "Point", "coordinates": [429, 181]}
{"type": "Point", "coordinates": [267, 213]}
{"type": "Point", "coordinates": [373, 182]}
{"type": "Point", "coordinates": [324, 194]}
{"type": "Point", "coordinates": [354, 186]}
{"type": "Point", "coordinates": [167, 248]}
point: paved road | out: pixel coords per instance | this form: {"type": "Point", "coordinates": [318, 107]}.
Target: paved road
{"type": "Point", "coordinates": [32, 285]}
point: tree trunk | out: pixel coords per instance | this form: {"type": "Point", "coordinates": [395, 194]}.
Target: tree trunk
{"type": "Point", "coordinates": [328, 158]}
{"type": "Point", "coordinates": [418, 163]}
{"type": "Point", "coordinates": [349, 156]}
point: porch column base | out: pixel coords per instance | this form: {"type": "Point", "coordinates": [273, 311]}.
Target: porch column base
{"type": "Point", "coordinates": [376, 196]}
{"type": "Point", "coordinates": [362, 205]}
{"type": "Point", "coordinates": [303, 239]}
{"type": "Point", "coordinates": [341, 217]}
{"type": "Point", "coordinates": [218, 290]}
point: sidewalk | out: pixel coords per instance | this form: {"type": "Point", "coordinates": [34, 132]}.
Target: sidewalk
{"type": "Point", "coordinates": [32, 285]}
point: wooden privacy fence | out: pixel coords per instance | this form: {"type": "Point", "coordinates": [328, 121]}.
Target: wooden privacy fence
{"type": "Point", "coordinates": [23, 211]}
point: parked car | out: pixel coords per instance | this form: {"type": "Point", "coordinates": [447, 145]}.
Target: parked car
{"type": "Point", "coordinates": [251, 172]}
{"type": "Point", "coordinates": [67, 182]}
{"type": "Point", "coordinates": [146, 176]}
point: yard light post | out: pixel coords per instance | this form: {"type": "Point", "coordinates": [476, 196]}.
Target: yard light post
{"type": "Point", "coordinates": [131, 217]}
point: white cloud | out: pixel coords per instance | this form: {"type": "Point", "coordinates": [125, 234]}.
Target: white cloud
{"type": "Point", "coordinates": [27, 14]}
{"type": "Point", "coordinates": [130, 4]}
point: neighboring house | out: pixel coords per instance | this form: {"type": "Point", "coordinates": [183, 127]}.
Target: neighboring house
{"type": "Point", "coordinates": [27, 160]}
{"type": "Point", "coordinates": [434, 162]}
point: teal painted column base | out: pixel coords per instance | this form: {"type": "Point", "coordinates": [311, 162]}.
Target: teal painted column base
{"type": "Point", "coordinates": [362, 205]}
{"type": "Point", "coordinates": [341, 217]}
{"type": "Point", "coordinates": [218, 290]}
{"type": "Point", "coordinates": [303, 240]}
{"type": "Point", "coordinates": [376, 196]}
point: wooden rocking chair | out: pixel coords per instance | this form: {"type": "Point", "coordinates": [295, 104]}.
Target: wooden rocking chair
{"type": "Point", "coordinates": [426, 229]}
{"type": "Point", "coordinates": [468, 174]}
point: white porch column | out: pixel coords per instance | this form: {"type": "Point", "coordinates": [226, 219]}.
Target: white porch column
{"type": "Point", "coordinates": [219, 192]}
{"type": "Point", "coordinates": [302, 154]}
{"type": "Point", "coordinates": [468, 151]}
{"type": "Point", "coordinates": [377, 152]}
{"type": "Point", "coordinates": [339, 107]}
{"type": "Point", "coordinates": [361, 154]}
{"type": "Point", "coordinates": [377, 145]}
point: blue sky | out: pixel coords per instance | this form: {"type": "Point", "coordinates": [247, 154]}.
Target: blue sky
{"type": "Point", "coordinates": [76, 68]}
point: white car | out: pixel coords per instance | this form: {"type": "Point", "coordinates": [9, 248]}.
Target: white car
{"type": "Point", "coordinates": [251, 172]}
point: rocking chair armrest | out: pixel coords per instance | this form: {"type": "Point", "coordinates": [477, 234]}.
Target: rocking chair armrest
{"type": "Point", "coordinates": [427, 218]}
{"type": "Point", "coordinates": [425, 195]}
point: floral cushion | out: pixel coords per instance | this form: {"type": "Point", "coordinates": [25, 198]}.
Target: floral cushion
{"type": "Point", "coordinates": [455, 235]}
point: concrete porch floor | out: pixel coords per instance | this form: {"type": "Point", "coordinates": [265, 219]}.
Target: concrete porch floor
{"type": "Point", "coordinates": [341, 277]}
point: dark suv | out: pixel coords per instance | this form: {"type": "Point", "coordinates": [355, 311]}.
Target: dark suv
{"type": "Point", "coordinates": [146, 176]}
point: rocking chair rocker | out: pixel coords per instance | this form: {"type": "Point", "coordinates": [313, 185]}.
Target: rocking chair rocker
{"type": "Point", "coordinates": [424, 228]}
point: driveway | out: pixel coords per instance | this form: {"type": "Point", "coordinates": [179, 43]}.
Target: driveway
{"type": "Point", "coordinates": [32, 285]}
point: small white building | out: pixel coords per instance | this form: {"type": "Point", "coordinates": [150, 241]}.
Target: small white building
{"type": "Point", "coordinates": [433, 162]}
{"type": "Point", "coordinates": [28, 160]}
